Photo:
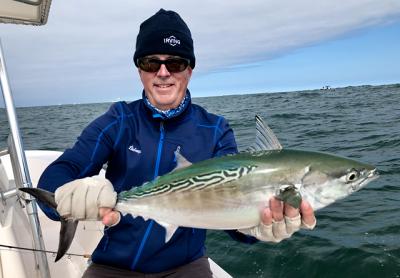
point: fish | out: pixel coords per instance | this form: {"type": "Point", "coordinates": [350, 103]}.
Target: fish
{"type": "Point", "coordinates": [229, 192]}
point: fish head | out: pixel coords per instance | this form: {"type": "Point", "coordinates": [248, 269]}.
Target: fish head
{"type": "Point", "coordinates": [330, 178]}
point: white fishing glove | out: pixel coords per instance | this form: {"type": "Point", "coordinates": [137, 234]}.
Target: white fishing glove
{"type": "Point", "coordinates": [278, 230]}
{"type": "Point", "coordinates": [81, 199]}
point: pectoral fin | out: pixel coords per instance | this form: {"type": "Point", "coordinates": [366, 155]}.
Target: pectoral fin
{"type": "Point", "coordinates": [181, 161]}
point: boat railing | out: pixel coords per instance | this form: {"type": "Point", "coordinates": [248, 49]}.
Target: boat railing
{"type": "Point", "coordinates": [20, 169]}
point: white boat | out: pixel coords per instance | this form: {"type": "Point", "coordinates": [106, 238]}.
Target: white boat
{"type": "Point", "coordinates": [28, 239]}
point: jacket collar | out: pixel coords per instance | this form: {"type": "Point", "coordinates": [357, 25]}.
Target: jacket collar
{"type": "Point", "coordinates": [171, 113]}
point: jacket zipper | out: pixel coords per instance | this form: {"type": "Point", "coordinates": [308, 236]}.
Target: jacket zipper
{"type": "Point", "coordinates": [159, 151]}
{"type": "Point", "coordinates": [156, 170]}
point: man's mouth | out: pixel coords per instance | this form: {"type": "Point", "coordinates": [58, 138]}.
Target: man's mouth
{"type": "Point", "coordinates": [162, 86]}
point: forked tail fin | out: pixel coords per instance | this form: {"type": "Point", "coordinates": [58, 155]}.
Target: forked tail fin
{"type": "Point", "coordinates": [68, 226]}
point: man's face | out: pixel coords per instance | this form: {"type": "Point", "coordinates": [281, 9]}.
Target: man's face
{"type": "Point", "coordinates": [165, 90]}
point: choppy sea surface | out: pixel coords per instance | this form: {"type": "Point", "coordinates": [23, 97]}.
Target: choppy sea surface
{"type": "Point", "coordinates": [355, 237]}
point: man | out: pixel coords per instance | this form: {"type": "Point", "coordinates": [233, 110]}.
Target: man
{"type": "Point", "coordinates": [137, 141]}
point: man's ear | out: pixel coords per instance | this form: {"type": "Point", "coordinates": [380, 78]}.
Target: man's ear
{"type": "Point", "coordinates": [190, 70]}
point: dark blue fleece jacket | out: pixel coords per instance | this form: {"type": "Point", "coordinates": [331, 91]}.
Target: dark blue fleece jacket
{"type": "Point", "coordinates": [138, 146]}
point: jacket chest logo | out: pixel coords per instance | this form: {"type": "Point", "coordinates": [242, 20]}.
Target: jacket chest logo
{"type": "Point", "coordinates": [134, 149]}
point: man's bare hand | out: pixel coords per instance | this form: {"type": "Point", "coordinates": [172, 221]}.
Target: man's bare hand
{"type": "Point", "coordinates": [109, 216]}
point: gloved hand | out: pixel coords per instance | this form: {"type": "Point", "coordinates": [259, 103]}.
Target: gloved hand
{"type": "Point", "coordinates": [277, 230]}
{"type": "Point", "coordinates": [81, 199]}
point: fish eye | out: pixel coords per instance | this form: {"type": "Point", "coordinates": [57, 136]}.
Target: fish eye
{"type": "Point", "coordinates": [352, 175]}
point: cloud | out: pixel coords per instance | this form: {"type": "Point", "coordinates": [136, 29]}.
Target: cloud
{"type": "Point", "coordinates": [88, 44]}
{"type": "Point", "coordinates": [267, 29]}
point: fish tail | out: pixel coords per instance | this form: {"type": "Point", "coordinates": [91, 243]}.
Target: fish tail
{"type": "Point", "coordinates": [68, 226]}
{"type": "Point", "coordinates": [44, 196]}
{"type": "Point", "coordinates": [67, 233]}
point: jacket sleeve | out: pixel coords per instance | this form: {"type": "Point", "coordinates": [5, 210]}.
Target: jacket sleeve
{"type": "Point", "coordinates": [225, 141]}
{"type": "Point", "coordinates": [226, 144]}
{"type": "Point", "coordinates": [86, 158]}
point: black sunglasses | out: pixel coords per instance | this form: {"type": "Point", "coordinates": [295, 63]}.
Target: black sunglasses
{"type": "Point", "coordinates": [173, 65]}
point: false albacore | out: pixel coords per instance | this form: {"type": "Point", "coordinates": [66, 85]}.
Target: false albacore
{"type": "Point", "coordinates": [229, 192]}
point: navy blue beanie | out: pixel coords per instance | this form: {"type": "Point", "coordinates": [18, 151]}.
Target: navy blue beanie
{"type": "Point", "coordinates": [165, 33]}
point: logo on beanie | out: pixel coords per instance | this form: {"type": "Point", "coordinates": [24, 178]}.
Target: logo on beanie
{"type": "Point", "coordinates": [172, 41]}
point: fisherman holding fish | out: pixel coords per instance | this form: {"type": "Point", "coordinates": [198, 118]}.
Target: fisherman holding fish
{"type": "Point", "coordinates": [138, 142]}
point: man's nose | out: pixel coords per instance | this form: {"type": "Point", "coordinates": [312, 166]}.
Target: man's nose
{"type": "Point", "coordinates": [163, 72]}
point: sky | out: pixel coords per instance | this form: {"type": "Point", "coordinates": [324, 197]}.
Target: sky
{"type": "Point", "coordinates": [84, 52]}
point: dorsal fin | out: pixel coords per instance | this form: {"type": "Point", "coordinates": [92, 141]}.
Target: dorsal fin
{"type": "Point", "coordinates": [181, 161]}
{"type": "Point", "coordinates": [266, 139]}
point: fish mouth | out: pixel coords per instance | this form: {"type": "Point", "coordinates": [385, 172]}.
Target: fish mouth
{"type": "Point", "coordinates": [373, 174]}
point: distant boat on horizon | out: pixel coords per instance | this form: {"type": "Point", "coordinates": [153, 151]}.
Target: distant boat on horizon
{"type": "Point", "coordinates": [326, 88]}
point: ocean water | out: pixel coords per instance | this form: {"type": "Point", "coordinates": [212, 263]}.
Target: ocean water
{"type": "Point", "coordinates": [355, 237]}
